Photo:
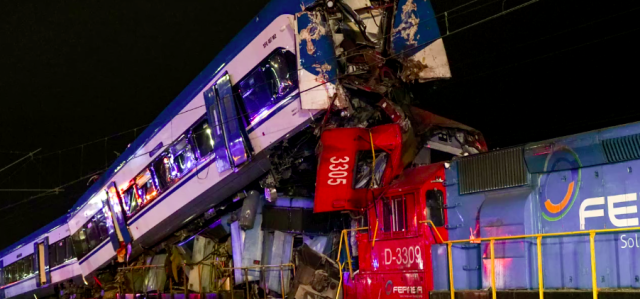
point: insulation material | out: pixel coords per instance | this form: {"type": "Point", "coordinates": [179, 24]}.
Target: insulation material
{"type": "Point", "coordinates": [280, 254]}
{"type": "Point", "coordinates": [201, 274]}
{"type": "Point", "coordinates": [156, 277]}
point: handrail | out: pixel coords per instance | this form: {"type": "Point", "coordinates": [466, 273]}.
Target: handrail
{"type": "Point", "coordinates": [343, 236]}
{"type": "Point", "coordinates": [491, 240]}
{"type": "Point", "coordinates": [538, 237]}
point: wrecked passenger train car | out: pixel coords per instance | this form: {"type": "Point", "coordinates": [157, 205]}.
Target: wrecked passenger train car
{"type": "Point", "coordinates": [182, 197]}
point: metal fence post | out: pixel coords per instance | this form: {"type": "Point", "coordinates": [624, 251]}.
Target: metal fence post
{"type": "Point", "coordinates": [282, 281]}
{"type": "Point", "coordinates": [246, 280]}
{"type": "Point", "coordinates": [594, 281]}
{"type": "Point", "coordinates": [451, 287]}
{"type": "Point", "coordinates": [493, 270]}
{"type": "Point", "coordinates": [540, 278]}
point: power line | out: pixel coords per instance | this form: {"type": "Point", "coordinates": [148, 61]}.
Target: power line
{"type": "Point", "coordinates": [18, 161]}
{"type": "Point", "coordinates": [303, 91]}
{"type": "Point", "coordinates": [547, 36]}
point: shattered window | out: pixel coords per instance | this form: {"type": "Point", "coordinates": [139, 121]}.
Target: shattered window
{"type": "Point", "coordinates": [183, 158]}
{"type": "Point", "coordinates": [162, 168]}
{"type": "Point", "coordinates": [146, 186]}
{"type": "Point", "coordinates": [267, 85]}
{"type": "Point", "coordinates": [202, 140]}
{"type": "Point", "coordinates": [364, 161]}
{"type": "Point", "coordinates": [130, 201]}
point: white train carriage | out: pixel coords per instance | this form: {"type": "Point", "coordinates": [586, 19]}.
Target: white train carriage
{"type": "Point", "coordinates": [32, 266]}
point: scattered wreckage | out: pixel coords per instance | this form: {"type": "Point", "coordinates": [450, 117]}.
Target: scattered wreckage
{"type": "Point", "coordinates": [284, 241]}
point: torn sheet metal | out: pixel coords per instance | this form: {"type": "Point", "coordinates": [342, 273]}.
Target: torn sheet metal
{"type": "Point", "coordinates": [252, 251]}
{"type": "Point", "coordinates": [341, 149]}
{"type": "Point", "coordinates": [317, 276]}
{"type": "Point", "coordinates": [317, 62]}
{"type": "Point", "coordinates": [200, 275]}
{"type": "Point", "coordinates": [237, 242]}
{"type": "Point", "coordinates": [281, 251]}
{"type": "Point", "coordinates": [156, 277]}
{"type": "Point", "coordinates": [416, 41]}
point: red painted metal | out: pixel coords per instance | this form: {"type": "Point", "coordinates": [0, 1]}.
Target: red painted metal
{"type": "Point", "coordinates": [340, 147]}
{"type": "Point", "coordinates": [398, 265]}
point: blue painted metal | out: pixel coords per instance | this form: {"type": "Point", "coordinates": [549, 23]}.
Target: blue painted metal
{"type": "Point", "coordinates": [2, 296]}
{"type": "Point", "coordinates": [585, 147]}
{"type": "Point", "coordinates": [503, 214]}
{"type": "Point", "coordinates": [569, 172]}
{"type": "Point", "coordinates": [316, 52]}
{"type": "Point", "coordinates": [414, 27]}
{"type": "Point", "coordinates": [46, 260]}
{"type": "Point", "coordinates": [115, 203]}
{"type": "Point", "coordinates": [222, 157]}
{"type": "Point", "coordinates": [231, 123]}
{"type": "Point", "coordinates": [36, 263]}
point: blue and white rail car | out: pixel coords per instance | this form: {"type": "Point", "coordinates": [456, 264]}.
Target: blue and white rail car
{"type": "Point", "coordinates": [39, 261]}
{"type": "Point", "coordinates": [210, 142]}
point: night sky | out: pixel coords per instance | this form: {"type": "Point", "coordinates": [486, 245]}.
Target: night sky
{"type": "Point", "coordinates": [76, 72]}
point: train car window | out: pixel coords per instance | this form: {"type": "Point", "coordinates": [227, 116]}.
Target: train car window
{"type": "Point", "coordinates": [28, 265]}
{"type": "Point", "coordinates": [80, 244]}
{"type": "Point", "coordinates": [130, 201]}
{"type": "Point", "coordinates": [162, 168]}
{"type": "Point", "coordinates": [364, 161]}
{"type": "Point", "coordinates": [268, 84]}
{"type": "Point", "coordinates": [394, 214]}
{"type": "Point", "coordinates": [202, 140]}
{"type": "Point", "coordinates": [387, 218]}
{"type": "Point", "coordinates": [61, 250]}
{"type": "Point", "coordinates": [70, 254]}
{"type": "Point", "coordinates": [53, 257]}
{"type": "Point", "coordinates": [93, 235]}
{"type": "Point", "coordinates": [7, 274]}
{"type": "Point", "coordinates": [183, 158]}
{"type": "Point", "coordinates": [146, 186]}
{"type": "Point", "coordinates": [13, 272]}
{"type": "Point", "coordinates": [101, 223]}
{"type": "Point", "coordinates": [21, 269]}
{"type": "Point", "coordinates": [435, 207]}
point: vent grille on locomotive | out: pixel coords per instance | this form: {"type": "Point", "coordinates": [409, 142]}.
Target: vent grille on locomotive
{"type": "Point", "coordinates": [622, 148]}
{"type": "Point", "coordinates": [494, 170]}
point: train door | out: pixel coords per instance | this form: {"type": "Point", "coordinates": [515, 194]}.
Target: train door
{"type": "Point", "coordinates": [227, 129]}
{"type": "Point", "coordinates": [41, 265]}
{"type": "Point", "coordinates": [113, 201]}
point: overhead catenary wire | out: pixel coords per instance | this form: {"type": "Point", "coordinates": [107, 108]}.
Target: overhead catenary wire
{"type": "Point", "coordinates": [103, 139]}
{"type": "Point", "coordinates": [300, 92]}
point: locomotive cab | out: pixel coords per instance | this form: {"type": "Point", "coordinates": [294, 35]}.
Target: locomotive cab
{"type": "Point", "coordinates": [395, 252]}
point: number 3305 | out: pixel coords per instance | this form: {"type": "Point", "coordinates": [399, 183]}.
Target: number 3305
{"type": "Point", "coordinates": [338, 171]}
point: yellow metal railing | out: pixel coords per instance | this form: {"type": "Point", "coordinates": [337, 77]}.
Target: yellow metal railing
{"type": "Point", "coordinates": [491, 240]}
{"type": "Point", "coordinates": [538, 237]}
